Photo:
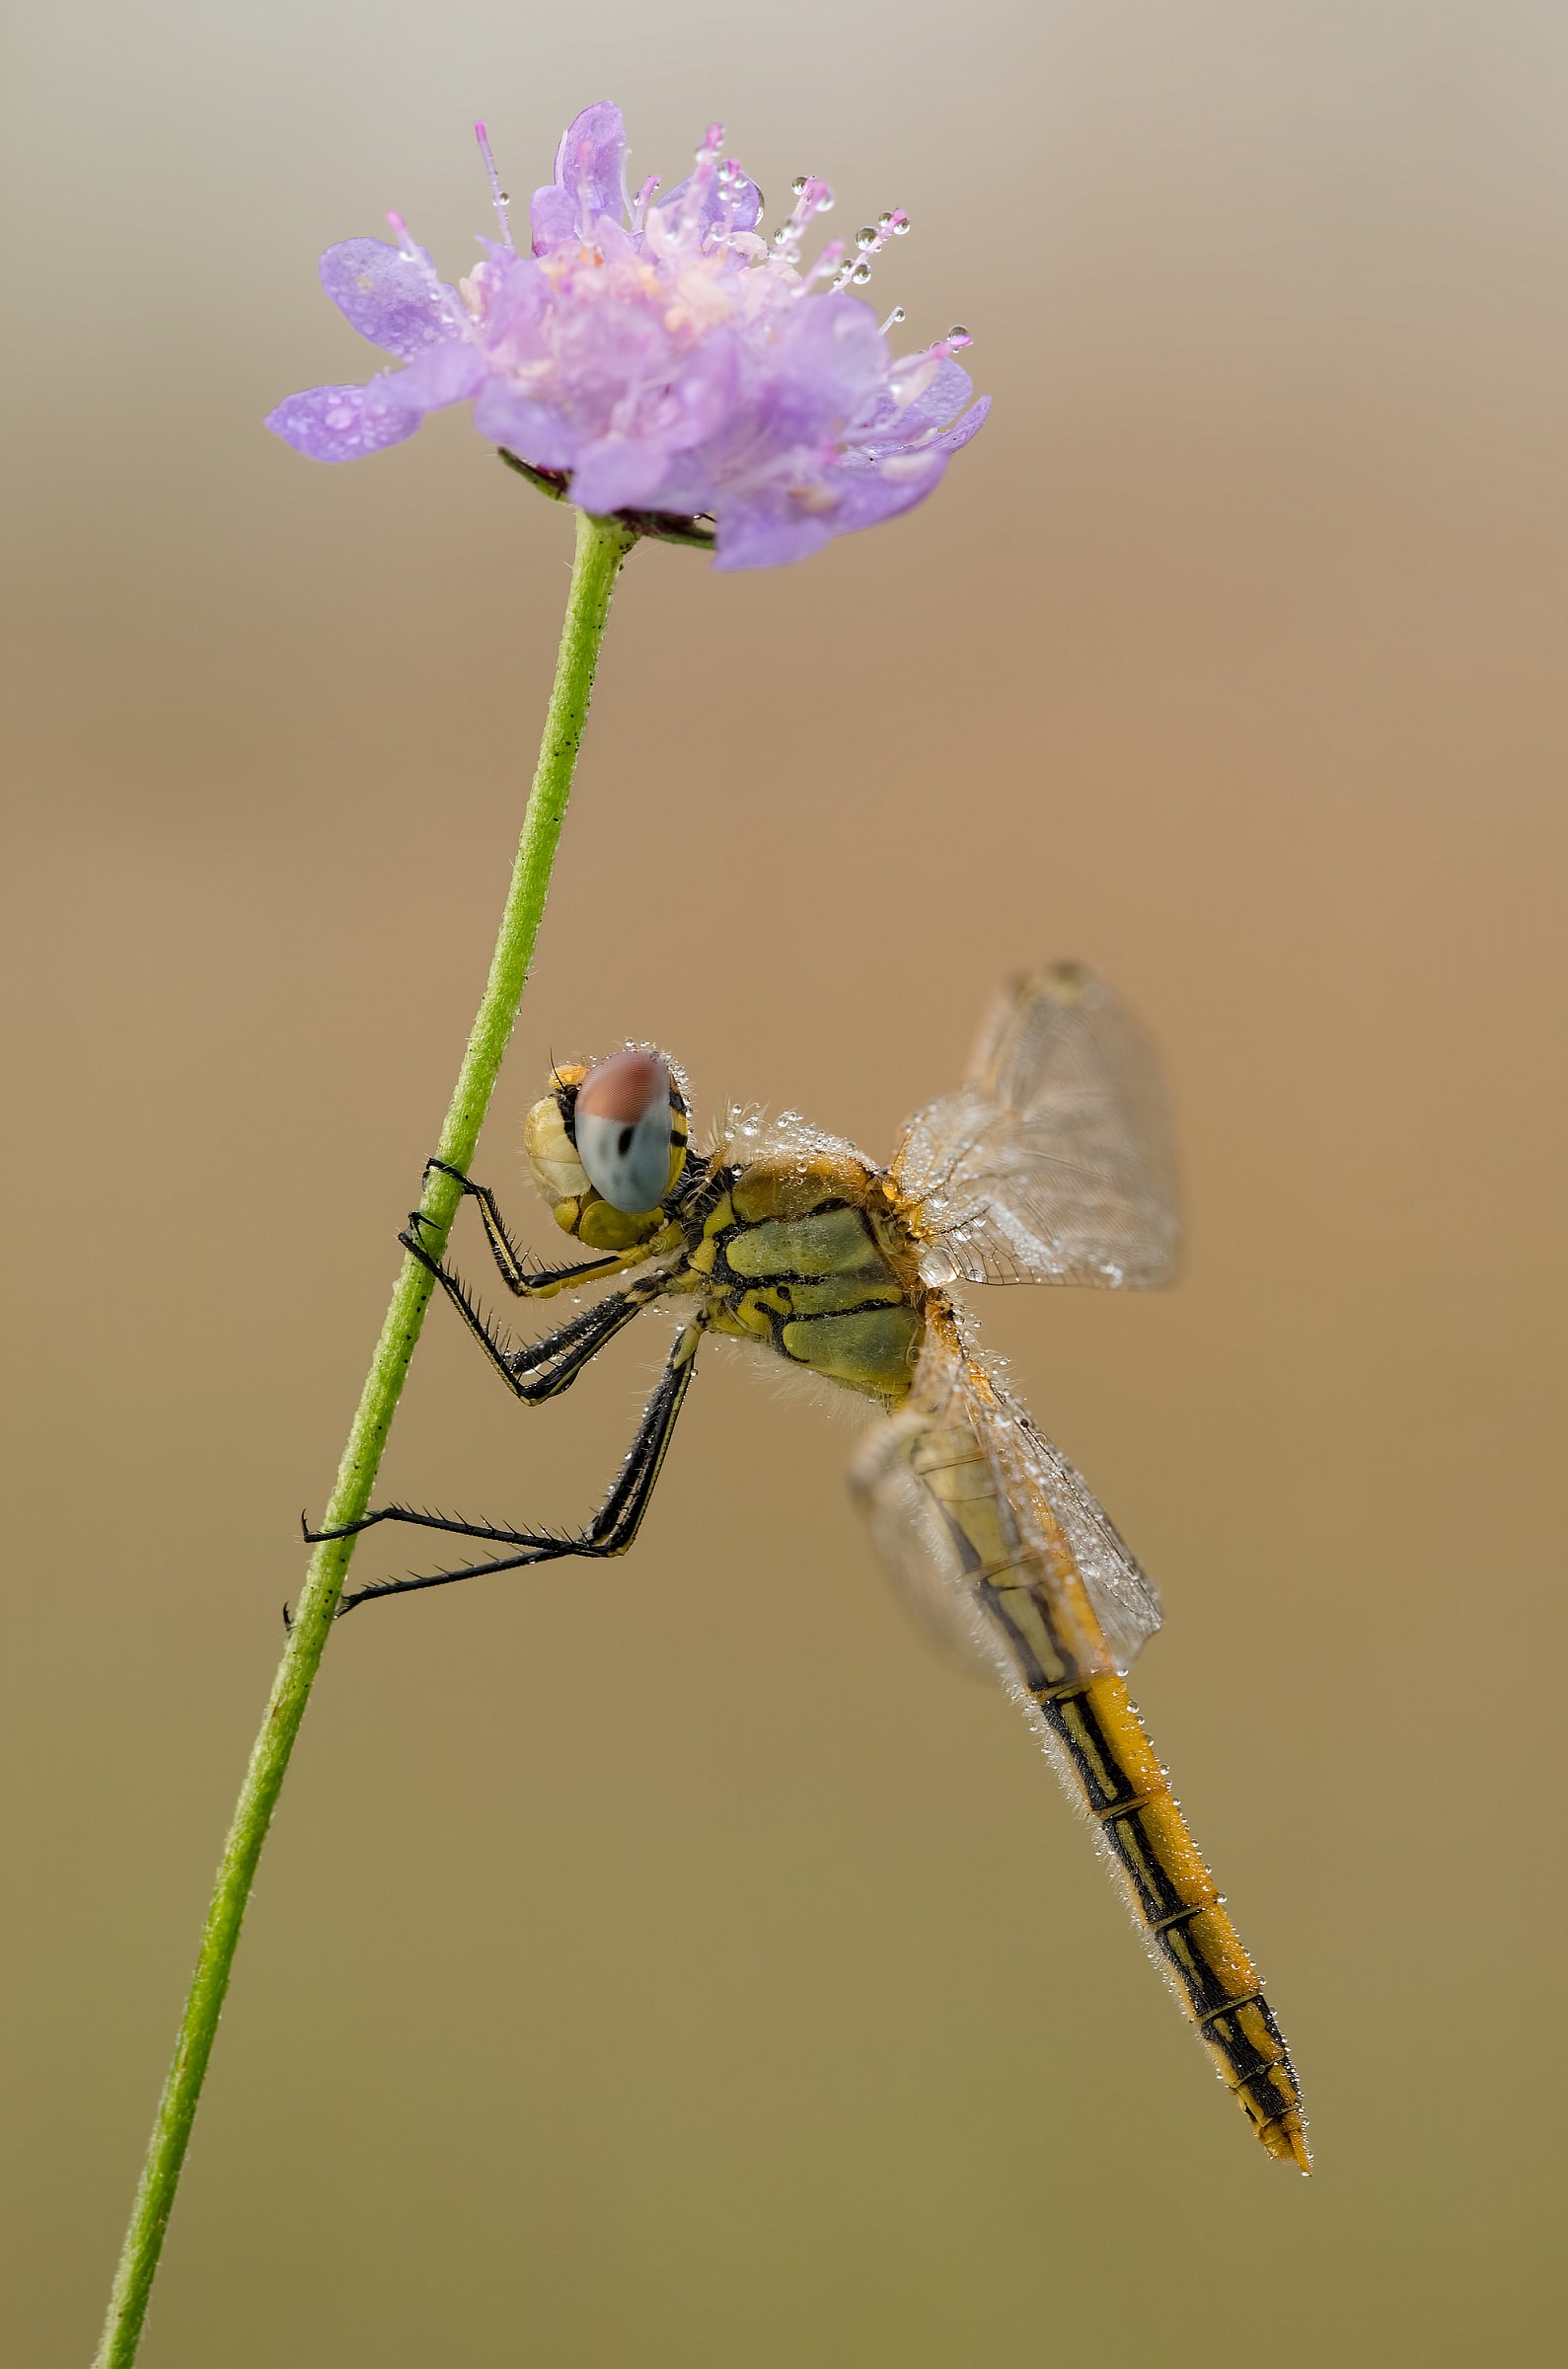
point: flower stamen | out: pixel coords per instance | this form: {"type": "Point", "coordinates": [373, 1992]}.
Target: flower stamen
{"type": "Point", "coordinates": [827, 261]}
{"type": "Point", "coordinates": [870, 241]}
{"type": "Point", "coordinates": [702, 175]}
{"type": "Point", "coordinates": [498, 196]}
{"type": "Point", "coordinates": [812, 196]}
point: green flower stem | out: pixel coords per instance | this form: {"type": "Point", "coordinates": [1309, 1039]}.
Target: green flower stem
{"type": "Point", "coordinates": [602, 545]}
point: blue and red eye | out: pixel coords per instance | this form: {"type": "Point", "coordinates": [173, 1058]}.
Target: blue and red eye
{"type": "Point", "coordinates": [623, 1121]}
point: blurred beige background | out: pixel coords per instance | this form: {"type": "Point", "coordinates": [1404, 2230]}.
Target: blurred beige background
{"type": "Point", "coordinates": [675, 1966]}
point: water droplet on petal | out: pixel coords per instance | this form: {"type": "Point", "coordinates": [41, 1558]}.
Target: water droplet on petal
{"type": "Point", "coordinates": [867, 237]}
{"type": "Point", "coordinates": [798, 185]}
{"type": "Point", "coordinates": [861, 274]}
{"type": "Point", "coordinates": [959, 335]}
{"type": "Point", "coordinates": [825, 203]}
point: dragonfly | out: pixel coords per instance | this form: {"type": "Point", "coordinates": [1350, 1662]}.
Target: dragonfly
{"type": "Point", "coordinates": [1051, 1163]}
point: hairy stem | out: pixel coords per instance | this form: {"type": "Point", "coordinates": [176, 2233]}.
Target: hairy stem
{"type": "Point", "coordinates": [602, 545]}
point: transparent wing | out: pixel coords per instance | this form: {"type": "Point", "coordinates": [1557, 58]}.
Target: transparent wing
{"type": "Point", "coordinates": [916, 1550]}
{"type": "Point", "coordinates": [1053, 1164]}
{"type": "Point", "coordinates": [1039, 1479]}
{"type": "Point", "coordinates": [958, 1461]}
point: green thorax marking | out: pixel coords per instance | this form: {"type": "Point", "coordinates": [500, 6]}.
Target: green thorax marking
{"type": "Point", "coordinates": [787, 1260]}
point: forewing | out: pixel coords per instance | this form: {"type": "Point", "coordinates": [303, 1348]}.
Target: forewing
{"type": "Point", "coordinates": [1053, 1164]}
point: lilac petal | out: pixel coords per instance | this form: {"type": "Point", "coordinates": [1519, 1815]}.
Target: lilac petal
{"type": "Point", "coordinates": [442, 374]}
{"type": "Point", "coordinates": [390, 297]}
{"type": "Point", "coordinates": [688, 488]}
{"type": "Point", "coordinates": [943, 390]}
{"type": "Point", "coordinates": [954, 438]}
{"type": "Point", "coordinates": [696, 403]}
{"type": "Point", "coordinates": [552, 218]}
{"type": "Point", "coordinates": [768, 531]}
{"type": "Point", "coordinates": [535, 432]}
{"type": "Point", "coordinates": [739, 207]}
{"type": "Point", "coordinates": [771, 526]}
{"type": "Point", "coordinates": [824, 369]}
{"type": "Point", "coordinates": [516, 297]}
{"type": "Point", "coordinates": [618, 473]}
{"type": "Point", "coordinates": [879, 448]}
{"type": "Point", "coordinates": [590, 179]}
{"type": "Point", "coordinates": [340, 423]}
{"type": "Point", "coordinates": [865, 496]}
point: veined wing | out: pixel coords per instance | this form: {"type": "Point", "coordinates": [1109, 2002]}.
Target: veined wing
{"type": "Point", "coordinates": [1053, 1163]}
{"type": "Point", "coordinates": [992, 1536]}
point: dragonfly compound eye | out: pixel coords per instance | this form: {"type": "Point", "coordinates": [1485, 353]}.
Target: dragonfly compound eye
{"type": "Point", "coordinates": [623, 1122]}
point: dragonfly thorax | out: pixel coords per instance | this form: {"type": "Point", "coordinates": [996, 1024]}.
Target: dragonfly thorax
{"type": "Point", "coordinates": [801, 1256]}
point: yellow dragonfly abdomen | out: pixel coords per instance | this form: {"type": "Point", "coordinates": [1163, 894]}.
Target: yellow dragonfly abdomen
{"type": "Point", "coordinates": [980, 1467]}
{"type": "Point", "coordinates": [1094, 1729]}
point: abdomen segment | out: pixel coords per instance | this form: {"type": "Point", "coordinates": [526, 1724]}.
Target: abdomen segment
{"type": "Point", "coordinates": [1095, 1732]}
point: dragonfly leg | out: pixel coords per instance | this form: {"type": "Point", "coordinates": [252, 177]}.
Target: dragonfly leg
{"type": "Point", "coordinates": [611, 1530]}
{"type": "Point", "coordinates": [524, 1281]}
{"type": "Point", "coordinates": [550, 1365]}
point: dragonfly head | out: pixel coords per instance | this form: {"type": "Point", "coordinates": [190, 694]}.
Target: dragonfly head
{"type": "Point", "coordinates": [607, 1146]}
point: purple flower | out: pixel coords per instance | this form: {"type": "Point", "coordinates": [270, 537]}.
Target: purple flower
{"type": "Point", "coordinates": [656, 356]}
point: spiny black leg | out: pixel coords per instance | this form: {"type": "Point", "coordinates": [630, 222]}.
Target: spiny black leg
{"type": "Point", "coordinates": [612, 1529]}
{"type": "Point", "coordinates": [524, 1281]}
{"type": "Point", "coordinates": [545, 1367]}
{"type": "Point", "coordinates": [636, 1475]}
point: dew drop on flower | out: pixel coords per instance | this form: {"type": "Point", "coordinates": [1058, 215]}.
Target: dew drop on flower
{"type": "Point", "coordinates": [958, 334]}
{"type": "Point", "coordinates": [825, 203]}
{"type": "Point", "coordinates": [798, 185]}
{"type": "Point", "coordinates": [861, 274]}
{"type": "Point", "coordinates": [867, 237]}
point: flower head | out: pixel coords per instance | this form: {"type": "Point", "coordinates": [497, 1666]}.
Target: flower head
{"type": "Point", "coordinates": [656, 356]}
